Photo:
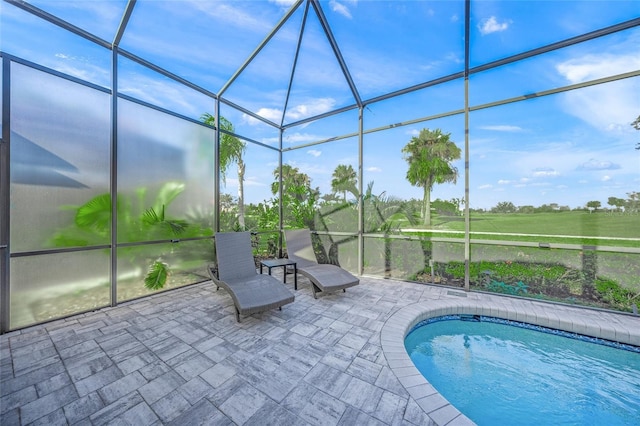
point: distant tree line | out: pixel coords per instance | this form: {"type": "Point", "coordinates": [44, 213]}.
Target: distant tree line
{"type": "Point", "coordinates": [629, 205]}
{"type": "Point", "coordinates": [429, 157]}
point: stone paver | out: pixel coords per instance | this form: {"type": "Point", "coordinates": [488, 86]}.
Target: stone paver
{"type": "Point", "coordinates": [180, 358]}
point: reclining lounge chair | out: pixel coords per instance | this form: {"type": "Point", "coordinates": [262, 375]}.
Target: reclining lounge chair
{"type": "Point", "coordinates": [324, 277]}
{"type": "Point", "coordinates": [236, 272]}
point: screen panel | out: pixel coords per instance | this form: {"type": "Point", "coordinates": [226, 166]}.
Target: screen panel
{"type": "Point", "coordinates": [595, 59]}
{"type": "Point", "coordinates": [147, 269]}
{"type": "Point", "coordinates": [321, 188]}
{"type": "Point", "coordinates": [165, 175]}
{"type": "Point", "coordinates": [567, 153]}
{"type": "Point", "coordinates": [50, 286]}
{"type": "Point", "coordinates": [443, 98]}
{"type": "Point", "coordinates": [247, 200]}
{"type": "Point", "coordinates": [37, 40]}
{"type": "Point", "coordinates": [503, 28]}
{"type": "Point", "coordinates": [395, 199]}
{"type": "Point", "coordinates": [60, 161]}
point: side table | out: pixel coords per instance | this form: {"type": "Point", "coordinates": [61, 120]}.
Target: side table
{"type": "Point", "coordinates": [274, 263]}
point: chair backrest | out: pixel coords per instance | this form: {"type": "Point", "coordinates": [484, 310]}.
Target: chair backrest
{"type": "Point", "coordinates": [234, 255]}
{"type": "Point", "coordinates": [300, 247]}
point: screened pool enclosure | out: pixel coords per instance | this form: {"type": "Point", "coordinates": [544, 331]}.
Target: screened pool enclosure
{"type": "Point", "coordinates": [485, 145]}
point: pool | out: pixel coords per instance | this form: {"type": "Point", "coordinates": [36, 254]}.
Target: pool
{"type": "Point", "coordinates": [497, 371]}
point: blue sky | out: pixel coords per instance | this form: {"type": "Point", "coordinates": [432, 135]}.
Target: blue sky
{"type": "Point", "coordinates": [567, 148]}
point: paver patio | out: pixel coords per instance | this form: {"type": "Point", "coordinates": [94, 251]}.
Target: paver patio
{"type": "Point", "coordinates": [181, 358]}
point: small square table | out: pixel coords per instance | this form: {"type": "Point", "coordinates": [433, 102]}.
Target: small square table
{"type": "Point", "coordinates": [274, 263]}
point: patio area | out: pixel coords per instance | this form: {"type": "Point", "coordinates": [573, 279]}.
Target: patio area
{"type": "Point", "coordinates": [181, 358]}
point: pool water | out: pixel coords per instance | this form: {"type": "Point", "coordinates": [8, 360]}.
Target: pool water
{"type": "Point", "coordinates": [498, 374]}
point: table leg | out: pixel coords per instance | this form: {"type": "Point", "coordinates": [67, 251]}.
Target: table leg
{"type": "Point", "coordinates": [284, 274]}
{"type": "Point", "coordinates": [295, 276]}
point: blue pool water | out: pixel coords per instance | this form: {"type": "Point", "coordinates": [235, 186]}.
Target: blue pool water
{"type": "Point", "coordinates": [498, 374]}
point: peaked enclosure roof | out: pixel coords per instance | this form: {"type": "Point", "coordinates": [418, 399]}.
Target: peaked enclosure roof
{"type": "Point", "coordinates": [284, 62]}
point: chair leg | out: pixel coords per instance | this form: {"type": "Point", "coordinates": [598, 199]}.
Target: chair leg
{"type": "Point", "coordinates": [237, 315]}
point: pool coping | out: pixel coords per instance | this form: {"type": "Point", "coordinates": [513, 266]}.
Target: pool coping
{"type": "Point", "coordinates": [589, 322]}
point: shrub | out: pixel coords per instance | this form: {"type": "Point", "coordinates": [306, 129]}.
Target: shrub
{"type": "Point", "coordinates": [613, 294]}
{"type": "Point", "coordinates": [515, 290]}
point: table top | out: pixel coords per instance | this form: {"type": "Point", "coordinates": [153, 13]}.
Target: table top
{"type": "Point", "coordinates": [277, 262]}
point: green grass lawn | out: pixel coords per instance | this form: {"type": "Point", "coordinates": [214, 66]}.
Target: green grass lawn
{"type": "Point", "coordinates": [564, 227]}
{"type": "Point", "coordinates": [520, 265]}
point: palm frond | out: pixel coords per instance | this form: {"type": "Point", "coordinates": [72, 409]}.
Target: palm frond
{"type": "Point", "coordinates": [168, 193]}
{"type": "Point", "coordinates": [157, 275]}
{"type": "Point", "coordinates": [176, 226]}
{"type": "Point", "coordinates": [150, 217]}
{"type": "Point", "coordinates": [95, 214]}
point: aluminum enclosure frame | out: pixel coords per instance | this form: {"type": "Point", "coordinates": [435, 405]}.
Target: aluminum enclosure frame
{"type": "Point", "coordinates": [217, 98]}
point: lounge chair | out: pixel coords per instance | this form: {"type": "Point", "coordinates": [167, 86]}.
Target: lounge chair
{"type": "Point", "coordinates": [236, 272]}
{"type": "Point", "coordinates": [324, 277]}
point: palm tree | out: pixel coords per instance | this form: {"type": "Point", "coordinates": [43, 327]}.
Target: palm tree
{"type": "Point", "coordinates": [429, 156]}
{"type": "Point", "coordinates": [231, 151]}
{"type": "Point", "coordinates": [299, 199]}
{"type": "Point", "coordinates": [344, 179]}
{"type": "Point", "coordinates": [636, 125]}
{"type": "Point", "coordinates": [291, 178]}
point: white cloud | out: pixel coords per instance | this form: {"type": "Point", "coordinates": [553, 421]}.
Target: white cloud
{"type": "Point", "coordinates": [606, 178]}
{"type": "Point", "coordinates": [310, 109]}
{"type": "Point", "coordinates": [81, 69]}
{"type": "Point", "coordinates": [226, 11]}
{"type": "Point", "coordinates": [487, 186]}
{"type": "Point", "coordinates": [374, 169]}
{"type": "Point", "coordinates": [454, 18]}
{"type": "Point", "coordinates": [340, 9]}
{"type": "Point", "coordinates": [299, 112]}
{"type": "Point", "coordinates": [300, 138]}
{"type": "Point", "coordinates": [315, 170]}
{"type": "Point", "coordinates": [545, 172]}
{"type": "Point", "coordinates": [160, 93]}
{"type": "Point", "coordinates": [608, 107]}
{"type": "Point", "coordinates": [502, 128]}
{"type": "Point", "coordinates": [103, 15]}
{"type": "Point", "coordinates": [452, 57]}
{"type": "Point", "coordinates": [591, 67]}
{"type": "Point", "coordinates": [492, 25]}
{"type": "Point", "coordinates": [314, 152]}
{"type": "Point", "coordinates": [594, 164]}
{"type": "Point", "coordinates": [271, 141]}
{"type": "Point", "coordinates": [272, 114]}
{"type": "Point", "coordinates": [284, 3]}
{"type": "Point", "coordinates": [504, 182]}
